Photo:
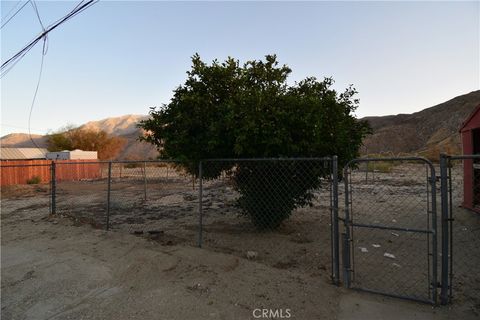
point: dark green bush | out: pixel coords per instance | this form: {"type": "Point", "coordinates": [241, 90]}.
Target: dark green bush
{"type": "Point", "coordinates": [225, 110]}
{"type": "Point", "coordinates": [271, 190]}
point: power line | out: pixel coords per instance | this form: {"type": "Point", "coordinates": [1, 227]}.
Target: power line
{"type": "Point", "coordinates": [5, 23]}
{"type": "Point", "coordinates": [34, 5]}
{"type": "Point", "coordinates": [8, 64]}
{"type": "Point", "coordinates": [35, 95]}
{"type": "Point", "coordinates": [11, 10]}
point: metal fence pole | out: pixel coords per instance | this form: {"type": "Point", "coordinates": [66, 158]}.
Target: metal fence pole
{"type": "Point", "coordinates": [445, 231]}
{"type": "Point", "coordinates": [433, 181]}
{"type": "Point", "coordinates": [145, 180]}
{"type": "Point", "coordinates": [53, 180]}
{"type": "Point", "coordinates": [109, 187]}
{"type": "Point", "coordinates": [200, 204]}
{"type": "Point", "coordinates": [346, 235]}
{"type": "Point", "coordinates": [335, 238]}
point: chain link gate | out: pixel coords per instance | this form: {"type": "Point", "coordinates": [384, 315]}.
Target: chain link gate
{"type": "Point", "coordinates": [390, 235]}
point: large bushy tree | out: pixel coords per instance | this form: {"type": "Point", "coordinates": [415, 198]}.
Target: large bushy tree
{"type": "Point", "coordinates": [228, 110]}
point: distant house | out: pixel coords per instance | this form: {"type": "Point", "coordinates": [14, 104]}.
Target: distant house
{"type": "Point", "coordinates": [72, 155]}
{"type": "Point", "coordinates": [470, 132]}
{"type": "Point", "coordinates": [22, 153]}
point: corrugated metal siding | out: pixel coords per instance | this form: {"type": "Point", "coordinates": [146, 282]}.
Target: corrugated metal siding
{"type": "Point", "coordinates": [22, 153]}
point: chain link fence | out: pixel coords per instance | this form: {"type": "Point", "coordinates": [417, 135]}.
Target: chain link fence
{"type": "Point", "coordinates": [157, 199]}
{"type": "Point", "coordinates": [277, 211]}
{"type": "Point", "coordinates": [461, 202]}
{"type": "Point", "coordinates": [25, 191]}
{"type": "Point", "coordinates": [284, 213]}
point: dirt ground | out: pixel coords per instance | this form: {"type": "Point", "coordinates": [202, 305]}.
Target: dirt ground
{"type": "Point", "coordinates": [148, 267]}
{"type": "Point", "coordinates": [52, 269]}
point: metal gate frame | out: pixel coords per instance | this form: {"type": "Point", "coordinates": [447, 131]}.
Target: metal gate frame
{"type": "Point", "coordinates": [349, 225]}
{"type": "Point", "coordinates": [446, 293]}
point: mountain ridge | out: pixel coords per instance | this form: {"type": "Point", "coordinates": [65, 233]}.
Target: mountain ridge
{"type": "Point", "coordinates": [426, 132]}
{"type": "Point", "coordinates": [431, 130]}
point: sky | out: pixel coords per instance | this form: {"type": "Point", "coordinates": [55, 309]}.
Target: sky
{"type": "Point", "coordinates": [120, 58]}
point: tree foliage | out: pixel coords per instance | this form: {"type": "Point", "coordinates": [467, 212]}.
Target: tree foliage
{"type": "Point", "coordinates": [107, 146]}
{"type": "Point", "coordinates": [228, 110]}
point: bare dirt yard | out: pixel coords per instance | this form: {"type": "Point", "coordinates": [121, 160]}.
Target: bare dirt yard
{"type": "Point", "coordinates": [54, 269]}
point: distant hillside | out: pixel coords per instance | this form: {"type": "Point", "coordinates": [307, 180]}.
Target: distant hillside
{"type": "Point", "coordinates": [124, 126]}
{"type": "Point", "coordinates": [22, 140]}
{"type": "Point", "coordinates": [427, 132]}
{"type": "Point", "coordinates": [118, 126]}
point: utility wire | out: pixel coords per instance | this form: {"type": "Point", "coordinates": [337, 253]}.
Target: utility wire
{"type": "Point", "coordinates": [35, 95]}
{"type": "Point", "coordinates": [5, 23]}
{"type": "Point", "coordinates": [10, 63]}
{"type": "Point", "coordinates": [7, 65]}
{"type": "Point", "coordinates": [11, 10]}
{"type": "Point", "coordinates": [34, 5]}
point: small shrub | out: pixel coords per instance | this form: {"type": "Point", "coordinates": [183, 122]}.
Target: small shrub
{"type": "Point", "coordinates": [34, 180]}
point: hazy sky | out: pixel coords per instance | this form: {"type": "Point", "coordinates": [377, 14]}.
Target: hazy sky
{"type": "Point", "coordinates": [118, 58]}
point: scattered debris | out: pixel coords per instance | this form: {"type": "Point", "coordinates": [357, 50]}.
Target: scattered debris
{"type": "Point", "coordinates": [396, 265]}
{"type": "Point", "coordinates": [198, 288]}
{"type": "Point", "coordinates": [251, 255]}
{"type": "Point", "coordinates": [376, 245]}
{"type": "Point", "coordinates": [394, 221]}
{"type": "Point", "coordinates": [363, 249]}
{"type": "Point", "coordinates": [395, 234]}
{"type": "Point", "coordinates": [389, 255]}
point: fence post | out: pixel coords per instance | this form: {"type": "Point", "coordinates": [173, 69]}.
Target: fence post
{"type": "Point", "coordinates": [145, 180]}
{"type": "Point", "coordinates": [335, 237]}
{"type": "Point", "coordinates": [433, 183]}
{"type": "Point", "coordinates": [53, 180]}
{"type": "Point", "coordinates": [200, 204]}
{"type": "Point", "coordinates": [346, 235]}
{"type": "Point", "coordinates": [109, 187]}
{"type": "Point", "coordinates": [445, 221]}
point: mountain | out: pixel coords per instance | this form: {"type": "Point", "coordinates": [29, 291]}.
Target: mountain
{"type": "Point", "coordinates": [22, 140]}
{"type": "Point", "coordinates": [117, 126]}
{"type": "Point", "coordinates": [427, 132]}
{"type": "Point", "coordinates": [124, 126]}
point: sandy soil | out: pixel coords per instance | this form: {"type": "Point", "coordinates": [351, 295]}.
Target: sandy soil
{"type": "Point", "coordinates": [52, 269]}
